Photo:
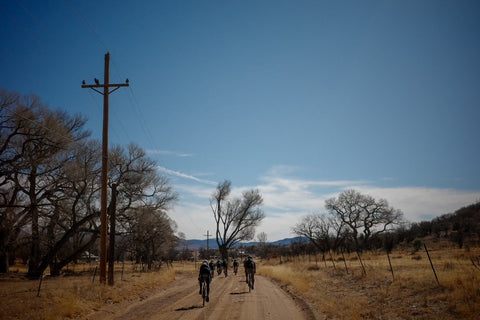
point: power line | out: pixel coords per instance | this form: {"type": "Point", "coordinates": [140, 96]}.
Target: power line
{"type": "Point", "coordinates": [98, 112]}
{"type": "Point", "coordinates": [71, 140]}
{"type": "Point", "coordinates": [104, 179]}
{"type": "Point", "coordinates": [40, 26]}
{"type": "Point", "coordinates": [86, 25]}
{"type": "Point", "coordinates": [139, 115]}
{"type": "Point", "coordinates": [19, 25]}
{"type": "Point", "coordinates": [131, 97]}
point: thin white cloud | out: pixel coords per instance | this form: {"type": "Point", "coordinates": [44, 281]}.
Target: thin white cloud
{"type": "Point", "coordinates": [287, 199]}
{"type": "Point", "coordinates": [169, 153]}
{"type": "Point", "coordinates": [184, 175]}
{"type": "Point", "coordinates": [195, 191]}
{"type": "Point", "coordinates": [419, 203]}
{"type": "Point", "coordinates": [293, 194]}
{"type": "Point", "coordinates": [278, 226]}
{"type": "Point", "coordinates": [194, 219]}
{"type": "Point", "coordinates": [283, 170]}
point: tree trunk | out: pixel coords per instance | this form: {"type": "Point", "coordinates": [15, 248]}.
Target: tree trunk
{"type": "Point", "coordinates": [34, 261]}
{"type": "Point", "coordinates": [224, 253]}
{"type": "Point", "coordinates": [4, 261]}
{"type": "Point", "coordinates": [52, 252]}
{"type": "Point", "coordinates": [4, 258]}
{"type": "Point", "coordinates": [57, 267]}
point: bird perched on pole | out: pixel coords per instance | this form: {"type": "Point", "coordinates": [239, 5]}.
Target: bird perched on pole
{"type": "Point", "coordinates": [97, 82]}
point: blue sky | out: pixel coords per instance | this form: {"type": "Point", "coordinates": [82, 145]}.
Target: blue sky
{"type": "Point", "coordinates": [301, 99]}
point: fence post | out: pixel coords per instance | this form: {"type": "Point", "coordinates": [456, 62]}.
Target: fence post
{"type": "Point", "coordinates": [431, 264]}
{"type": "Point", "coordinates": [331, 257]}
{"type": "Point", "coordinates": [94, 274]}
{"type": "Point", "coordinates": [361, 262]}
{"type": "Point", "coordinates": [40, 284]}
{"type": "Point", "coordinates": [390, 263]}
{"type": "Point", "coordinates": [344, 261]}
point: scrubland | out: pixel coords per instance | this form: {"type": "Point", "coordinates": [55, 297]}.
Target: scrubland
{"type": "Point", "coordinates": [412, 292]}
{"type": "Point", "coordinates": [74, 294]}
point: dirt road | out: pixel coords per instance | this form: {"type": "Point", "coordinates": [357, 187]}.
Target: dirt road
{"type": "Point", "coordinates": [229, 299]}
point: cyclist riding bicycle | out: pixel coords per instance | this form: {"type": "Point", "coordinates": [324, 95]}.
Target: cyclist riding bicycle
{"type": "Point", "coordinates": [225, 266]}
{"type": "Point", "coordinates": [212, 267]}
{"type": "Point", "coordinates": [205, 274]}
{"type": "Point", "coordinates": [250, 269]}
{"type": "Point", "coordinates": [219, 266]}
{"type": "Point", "coordinates": [235, 266]}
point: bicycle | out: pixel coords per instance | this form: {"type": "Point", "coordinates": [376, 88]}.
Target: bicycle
{"type": "Point", "coordinates": [204, 291]}
{"type": "Point", "coordinates": [249, 282]}
{"type": "Point", "coordinates": [235, 269]}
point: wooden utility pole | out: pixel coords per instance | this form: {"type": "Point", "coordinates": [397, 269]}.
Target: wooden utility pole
{"type": "Point", "coordinates": [104, 179]}
{"type": "Point", "coordinates": [208, 235]}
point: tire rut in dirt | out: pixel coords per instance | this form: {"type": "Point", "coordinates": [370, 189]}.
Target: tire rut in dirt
{"type": "Point", "coordinates": [220, 306]}
{"type": "Point", "coordinates": [150, 308]}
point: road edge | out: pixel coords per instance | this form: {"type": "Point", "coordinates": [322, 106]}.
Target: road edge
{"type": "Point", "coordinates": [299, 301]}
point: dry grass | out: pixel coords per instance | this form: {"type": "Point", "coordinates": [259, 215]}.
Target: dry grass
{"type": "Point", "coordinates": [412, 294]}
{"type": "Point", "coordinates": [74, 295]}
{"type": "Point", "coordinates": [332, 293]}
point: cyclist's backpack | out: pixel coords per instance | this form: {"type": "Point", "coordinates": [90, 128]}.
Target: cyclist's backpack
{"type": "Point", "coordinates": [249, 264]}
{"type": "Point", "coordinates": [204, 269]}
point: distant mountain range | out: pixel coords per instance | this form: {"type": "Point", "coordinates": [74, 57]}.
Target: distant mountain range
{"type": "Point", "coordinates": [196, 244]}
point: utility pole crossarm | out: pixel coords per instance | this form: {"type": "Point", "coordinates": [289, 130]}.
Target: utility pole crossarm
{"type": "Point", "coordinates": [113, 85]}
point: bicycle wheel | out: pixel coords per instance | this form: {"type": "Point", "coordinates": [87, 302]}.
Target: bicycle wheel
{"type": "Point", "coordinates": [249, 282]}
{"type": "Point", "coordinates": [204, 292]}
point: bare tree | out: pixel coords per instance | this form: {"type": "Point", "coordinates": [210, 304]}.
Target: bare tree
{"type": "Point", "coordinates": [35, 150]}
{"type": "Point", "coordinates": [262, 238]}
{"type": "Point", "coordinates": [363, 215]}
{"type": "Point", "coordinates": [72, 219]}
{"type": "Point", "coordinates": [49, 185]}
{"type": "Point", "coordinates": [236, 218]}
{"type": "Point", "coordinates": [13, 204]}
{"type": "Point", "coordinates": [142, 194]}
{"type": "Point", "coordinates": [262, 244]}
{"type": "Point", "coordinates": [316, 228]}
{"type": "Point", "coordinates": [152, 235]}
{"type": "Point", "coordinates": [138, 181]}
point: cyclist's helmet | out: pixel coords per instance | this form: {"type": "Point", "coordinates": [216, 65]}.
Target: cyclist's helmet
{"type": "Point", "coordinates": [205, 262]}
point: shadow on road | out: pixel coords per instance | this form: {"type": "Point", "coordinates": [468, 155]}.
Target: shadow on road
{"type": "Point", "coordinates": [188, 308]}
{"type": "Point", "coordinates": [235, 293]}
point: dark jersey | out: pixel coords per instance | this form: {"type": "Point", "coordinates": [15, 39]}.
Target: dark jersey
{"type": "Point", "coordinates": [249, 264]}
{"type": "Point", "coordinates": [204, 270]}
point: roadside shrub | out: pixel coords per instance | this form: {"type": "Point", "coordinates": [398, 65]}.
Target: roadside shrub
{"type": "Point", "coordinates": [417, 244]}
